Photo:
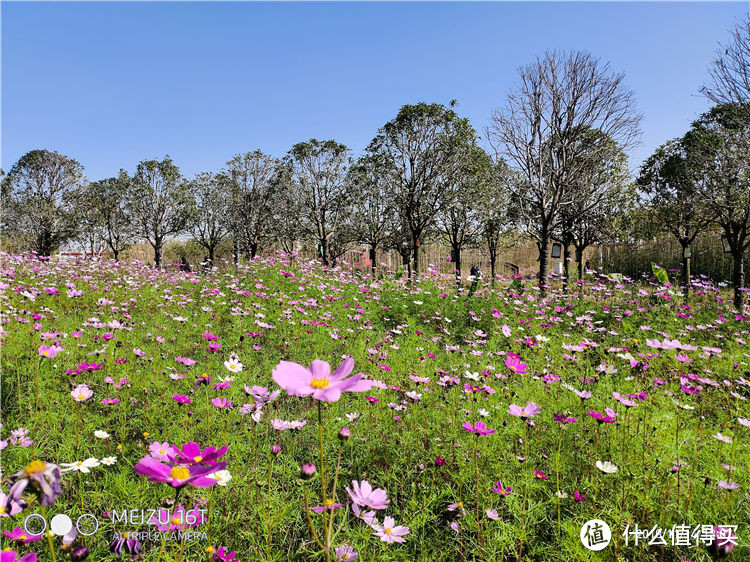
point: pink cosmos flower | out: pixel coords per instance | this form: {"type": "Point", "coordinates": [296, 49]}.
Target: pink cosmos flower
{"type": "Point", "coordinates": [540, 474]}
{"type": "Point", "coordinates": [182, 399]}
{"type": "Point", "coordinates": [492, 514]}
{"type": "Point", "coordinates": [18, 534]}
{"type": "Point", "coordinates": [81, 393]}
{"type": "Point", "coordinates": [178, 476]}
{"type": "Point", "coordinates": [498, 489]}
{"type": "Point", "coordinates": [222, 403]}
{"type": "Point", "coordinates": [366, 516]}
{"type": "Point", "coordinates": [191, 453]}
{"type": "Point", "coordinates": [530, 410]}
{"type": "Point", "coordinates": [479, 428]}
{"type": "Point", "coordinates": [318, 380]}
{"type": "Point", "coordinates": [363, 495]}
{"type": "Point", "coordinates": [514, 363]}
{"type": "Point", "coordinates": [388, 532]}
{"type": "Point", "coordinates": [49, 351]}
{"type": "Point", "coordinates": [329, 505]}
{"type": "Point", "coordinates": [579, 497]}
{"type": "Point", "coordinates": [12, 556]}
{"type": "Point", "coordinates": [161, 451]}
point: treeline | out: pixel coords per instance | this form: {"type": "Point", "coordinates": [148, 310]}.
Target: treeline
{"type": "Point", "coordinates": [554, 169]}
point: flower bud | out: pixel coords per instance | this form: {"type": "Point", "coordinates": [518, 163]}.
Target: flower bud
{"type": "Point", "coordinates": [307, 471]}
{"type": "Point", "coordinates": [344, 433]}
{"type": "Point", "coordinates": [275, 450]}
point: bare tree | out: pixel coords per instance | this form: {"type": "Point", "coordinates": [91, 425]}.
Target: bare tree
{"type": "Point", "coordinates": [211, 194]}
{"type": "Point", "coordinates": [422, 144]}
{"type": "Point", "coordinates": [729, 74]}
{"type": "Point", "coordinates": [251, 203]}
{"type": "Point", "coordinates": [319, 170]}
{"type": "Point", "coordinates": [719, 149]}
{"type": "Point", "coordinates": [160, 203]}
{"type": "Point", "coordinates": [39, 199]}
{"type": "Point", "coordinates": [558, 99]}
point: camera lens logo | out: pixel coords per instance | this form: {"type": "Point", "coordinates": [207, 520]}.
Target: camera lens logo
{"type": "Point", "coordinates": [595, 534]}
{"type": "Point", "coordinates": [35, 525]}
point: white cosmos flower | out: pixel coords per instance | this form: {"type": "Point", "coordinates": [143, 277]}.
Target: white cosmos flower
{"type": "Point", "coordinates": [222, 477]}
{"type": "Point", "coordinates": [99, 434]}
{"type": "Point", "coordinates": [606, 467]}
{"type": "Point", "coordinates": [484, 413]}
{"type": "Point", "coordinates": [80, 466]}
{"type": "Point", "coordinates": [561, 495]}
{"type": "Point", "coordinates": [109, 461]}
{"type": "Point", "coordinates": [473, 376]}
{"type": "Point", "coordinates": [233, 365]}
{"type": "Point", "coordinates": [352, 416]}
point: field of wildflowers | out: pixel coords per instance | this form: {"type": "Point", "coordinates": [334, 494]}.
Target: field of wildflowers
{"type": "Point", "coordinates": [283, 411]}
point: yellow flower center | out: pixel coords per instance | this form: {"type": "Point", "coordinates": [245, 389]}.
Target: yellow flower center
{"type": "Point", "coordinates": [45, 352]}
{"type": "Point", "coordinates": [22, 537]}
{"type": "Point", "coordinates": [210, 550]}
{"type": "Point", "coordinates": [176, 520]}
{"type": "Point", "coordinates": [179, 473]}
{"type": "Point", "coordinates": [319, 383]}
{"type": "Point", "coordinates": [523, 412]}
{"type": "Point", "coordinates": [79, 463]}
{"type": "Point", "coordinates": [162, 451]}
{"type": "Point", "coordinates": [329, 502]}
{"type": "Point", "coordinates": [2, 509]}
{"type": "Point", "coordinates": [81, 396]}
{"type": "Point", "coordinates": [460, 504]}
{"type": "Point", "coordinates": [35, 466]}
{"type": "Point", "coordinates": [198, 458]}
{"type": "Point", "coordinates": [232, 366]}
{"type": "Point", "coordinates": [387, 531]}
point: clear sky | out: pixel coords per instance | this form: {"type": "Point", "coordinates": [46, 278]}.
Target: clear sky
{"type": "Point", "coordinates": [111, 84]}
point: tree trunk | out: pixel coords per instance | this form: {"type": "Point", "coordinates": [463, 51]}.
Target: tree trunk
{"type": "Point", "coordinates": [415, 249]}
{"type": "Point", "coordinates": [324, 250]}
{"type": "Point", "coordinates": [157, 253]}
{"type": "Point", "coordinates": [493, 259]}
{"type": "Point", "coordinates": [253, 250]}
{"type": "Point", "coordinates": [579, 261]}
{"type": "Point", "coordinates": [211, 253]}
{"type": "Point", "coordinates": [116, 253]}
{"type": "Point", "coordinates": [236, 250]}
{"type": "Point", "coordinates": [457, 263]}
{"type": "Point", "coordinates": [372, 259]}
{"type": "Point", "coordinates": [685, 271]}
{"type": "Point", "coordinates": [738, 279]}
{"type": "Point", "coordinates": [566, 268]}
{"type": "Point", "coordinates": [543, 246]}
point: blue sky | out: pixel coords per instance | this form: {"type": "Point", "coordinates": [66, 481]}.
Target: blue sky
{"type": "Point", "coordinates": [111, 84]}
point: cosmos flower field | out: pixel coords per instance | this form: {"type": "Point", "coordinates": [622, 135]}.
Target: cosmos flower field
{"type": "Point", "coordinates": [283, 411]}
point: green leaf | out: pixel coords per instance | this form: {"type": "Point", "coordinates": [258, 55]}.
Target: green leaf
{"type": "Point", "coordinates": [660, 273]}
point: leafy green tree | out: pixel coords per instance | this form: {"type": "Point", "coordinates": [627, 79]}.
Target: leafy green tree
{"type": "Point", "coordinates": [318, 170]}
{"type": "Point", "coordinates": [423, 145]}
{"type": "Point", "coordinates": [719, 148]}
{"type": "Point", "coordinates": [371, 181]}
{"type": "Point", "coordinates": [672, 196]}
{"type": "Point", "coordinates": [160, 203]}
{"type": "Point", "coordinates": [39, 196]}
{"type": "Point", "coordinates": [212, 204]}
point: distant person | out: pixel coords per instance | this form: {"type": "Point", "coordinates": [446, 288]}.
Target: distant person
{"type": "Point", "coordinates": [207, 264]}
{"type": "Point", "coordinates": [184, 265]}
{"type": "Point", "coordinates": [588, 266]}
{"type": "Point", "coordinates": [474, 271]}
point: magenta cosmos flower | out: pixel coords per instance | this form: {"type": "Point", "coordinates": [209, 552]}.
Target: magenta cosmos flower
{"type": "Point", "coordinates": [479, 428]}
{"type": "Point", "coordinates": [178, 476]}
{"type": "Point", "coordinates": [527, 411]}
{"type": "Point", "coordinates": [191, 453]}
{"type": "Point", "coordinates": [364, 495]}
{"type": "Point", "coordinates": [514, 363]}
{"type": "Point", "coordinates": [318, 380]}
{"type": "Point", "coordinates": [12, 556]}
{"type": "Point", "coordinates": [49, 351]}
